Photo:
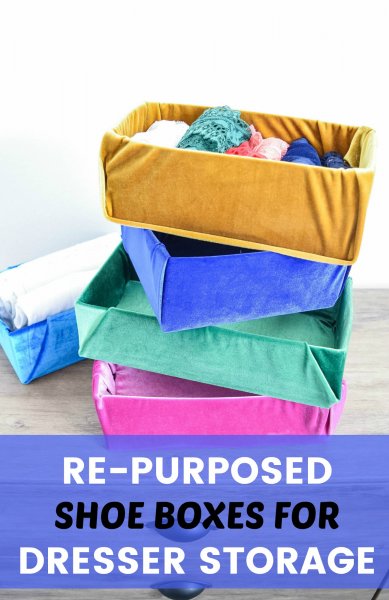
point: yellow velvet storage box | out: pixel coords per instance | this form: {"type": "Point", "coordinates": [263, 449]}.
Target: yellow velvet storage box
{"type": "Point", "coordinates": [310, 212]}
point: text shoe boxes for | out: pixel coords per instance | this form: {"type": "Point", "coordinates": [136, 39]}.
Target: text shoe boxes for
{"type": "Point", "coordinates": [178, 323]}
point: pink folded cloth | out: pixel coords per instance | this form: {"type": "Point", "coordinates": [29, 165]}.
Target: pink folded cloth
{"type": "Point", "coordinates": [133, 402]}
{"type": "Point", "coordinates": [257, 147]}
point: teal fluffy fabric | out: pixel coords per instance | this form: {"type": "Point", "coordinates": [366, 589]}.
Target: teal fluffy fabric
{"type": "Point", "coordinates": [216, 130]}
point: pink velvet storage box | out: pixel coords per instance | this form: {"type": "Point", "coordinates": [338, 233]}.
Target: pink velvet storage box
{"type": "Point", "coordinates": [133, 402]}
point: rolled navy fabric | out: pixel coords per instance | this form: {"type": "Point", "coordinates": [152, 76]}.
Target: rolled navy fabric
{"type": "Point", "coordinates": [334, 160]}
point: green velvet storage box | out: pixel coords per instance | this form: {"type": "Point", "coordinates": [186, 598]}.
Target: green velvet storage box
{"type": "Point", "coordinates": [297, 357]}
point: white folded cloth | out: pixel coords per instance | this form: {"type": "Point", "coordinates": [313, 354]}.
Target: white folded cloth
{"type": "Point", "coordinates": [61, 276]}
{"type": "Point", "coordinates": [162, 133]}
{"type": "Point", "coordinates": [50, 299]}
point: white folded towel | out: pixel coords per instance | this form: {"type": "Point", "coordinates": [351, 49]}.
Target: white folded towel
{"type": "Point", "coordinates": [61, 275]}
{"type": "Point", "coordinates": [50, 299]}
{"type": "Point", "coordinates": [162, 133]}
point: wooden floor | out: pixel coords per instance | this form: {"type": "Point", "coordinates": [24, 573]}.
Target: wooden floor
{"type": "Point", "coordinates": [61, 404]}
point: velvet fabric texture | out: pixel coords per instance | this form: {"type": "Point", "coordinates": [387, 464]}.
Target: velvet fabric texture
{"type": "Point", "coordinates": [42, 348]}
{"type": "Point", "coordinates": [297, 357]}
{"type": "Point", "coordinates": [293, 209]}
{"type": "Point", "coordinates": [190, 283]}
{"type": "Point", "coordinates": [134, 402]}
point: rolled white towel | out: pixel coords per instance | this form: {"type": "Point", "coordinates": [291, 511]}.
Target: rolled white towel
{"type": "Point", "coordinates": [35, 274]}
{"type": "Point", "coordinates": [50, 299]}
{"type": "Point", "coordinates": [162, 133]}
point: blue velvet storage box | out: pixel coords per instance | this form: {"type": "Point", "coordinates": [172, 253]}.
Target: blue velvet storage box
{"type": "Point", "coordinates": [191, 283]}
{"type": "Point", "coordinates": [42, 348]}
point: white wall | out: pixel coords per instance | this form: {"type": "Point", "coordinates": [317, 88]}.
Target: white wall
{"type": "Point", "coordinates": [70, 69]}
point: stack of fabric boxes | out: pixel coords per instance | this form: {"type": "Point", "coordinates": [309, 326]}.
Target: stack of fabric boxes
{"type": "Point", "coordinates": [227, 308]}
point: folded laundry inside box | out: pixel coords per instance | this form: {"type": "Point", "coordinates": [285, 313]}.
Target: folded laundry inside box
{"type": "Point", "coordinates": [298, 357]}
{"type": "Point", "coordinates": [190, 283]}
{"type": "Point", "coordinates": [295, 209]}
{"type": "Point", "coordinates": [133, 402]}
